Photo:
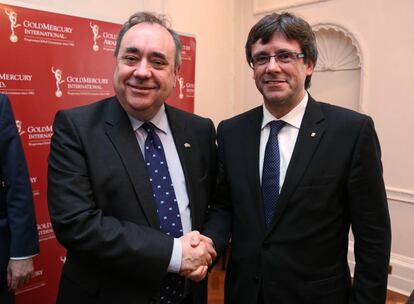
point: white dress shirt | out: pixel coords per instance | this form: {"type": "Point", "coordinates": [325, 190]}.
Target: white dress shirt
{"type": "Point", "coordinates": [163, 130]}
{"type": "Point", "coordinates": [287, 136]}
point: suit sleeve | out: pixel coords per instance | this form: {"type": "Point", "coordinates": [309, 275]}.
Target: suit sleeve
{"type": "Point", "coordinates": [219, 220]}
{"type": "Point", "coordinates": [80, 224]}
{"type": "Point", "coordinates": [369, 219]}
{"type": "Point", "coordinates": [17, 188]}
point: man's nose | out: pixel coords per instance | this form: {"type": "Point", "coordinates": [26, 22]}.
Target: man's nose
{"type": "Point", "coordinates": [142, 69]}
{"type": "Point", "coordinates": [273, 65]}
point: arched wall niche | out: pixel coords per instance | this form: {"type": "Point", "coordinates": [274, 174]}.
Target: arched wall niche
{"type": "Point", "coordinates": [338, 75]}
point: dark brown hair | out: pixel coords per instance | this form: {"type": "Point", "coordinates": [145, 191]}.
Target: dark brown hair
{"type": "Point", "coordinates": [292, 27]}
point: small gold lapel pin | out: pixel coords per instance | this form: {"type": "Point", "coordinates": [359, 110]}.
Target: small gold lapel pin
{"type": "Point", "coordinates": [313, 134]}
{"type": "Point", "coordinates": [187, 145]}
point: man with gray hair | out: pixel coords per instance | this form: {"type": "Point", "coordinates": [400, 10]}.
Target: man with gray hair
{"type": "Point", "coordinates": [129, 179]}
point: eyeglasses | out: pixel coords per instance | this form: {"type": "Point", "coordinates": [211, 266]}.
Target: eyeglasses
{"type": "Point", "coordinates": [284, 58]}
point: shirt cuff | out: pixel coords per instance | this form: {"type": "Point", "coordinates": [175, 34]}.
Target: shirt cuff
{"type": "Point", "coordinates": [22, 258]}
{"type": "Point", "coordinates": [175, 262]}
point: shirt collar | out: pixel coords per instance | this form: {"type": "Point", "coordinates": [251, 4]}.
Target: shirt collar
{"type": "Point", "coordinates": [293, 118]}
{"type": "Point", "coordinates": [160, 121]}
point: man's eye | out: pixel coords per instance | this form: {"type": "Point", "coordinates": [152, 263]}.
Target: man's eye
{"type": "Point", "coordinates": [158, 63]}
{"type": "Point", "coordinates": [284, 56]}
{"type": "Point", "coordinates": [130, 59]}
{"type": "Point", "coordinates": [261, 59]}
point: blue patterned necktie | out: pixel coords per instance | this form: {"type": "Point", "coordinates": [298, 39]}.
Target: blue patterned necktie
{"type": "Point", "coordinates": [172, 286]}
{"type": "Point", "coordinates": [271, 172]}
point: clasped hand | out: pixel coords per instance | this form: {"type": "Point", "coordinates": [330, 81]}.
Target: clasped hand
{"type": "Point", "coordinates": [197, 255]}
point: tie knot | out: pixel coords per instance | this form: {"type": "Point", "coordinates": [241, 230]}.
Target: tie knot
{"type": "Point", "coordinates": [148, 127]}
{"type": "Point", "coordinates": [276, 126]}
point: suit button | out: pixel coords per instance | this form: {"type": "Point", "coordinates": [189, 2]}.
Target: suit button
{"type": "Point", "coordinates": [152, 301]}
{"type": "Point", "coordinates": [256, 279]}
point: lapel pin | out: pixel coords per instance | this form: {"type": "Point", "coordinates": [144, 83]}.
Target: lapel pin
{"type": "Point", "coordinates": [187, 145]}
{"type": "Point", "coordinates": [313, 134]}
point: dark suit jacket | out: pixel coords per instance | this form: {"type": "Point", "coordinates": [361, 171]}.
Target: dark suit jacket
{"type": "Point", "coordinates": [18, 231]}
{"type": "Point", "coordinates": [101, 205]}
{"type": "Point", "coordinates": [334, 181]}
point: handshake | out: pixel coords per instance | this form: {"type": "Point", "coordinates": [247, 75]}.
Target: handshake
{"type": "Point", "coordinates": [197, 255]}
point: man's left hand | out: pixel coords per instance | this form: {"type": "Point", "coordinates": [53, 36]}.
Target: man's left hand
{"type": "Point", "coordinates": [19, 272]}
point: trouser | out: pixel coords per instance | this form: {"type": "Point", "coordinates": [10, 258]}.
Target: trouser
{"type": "Point", "coordinates": [6, 297]}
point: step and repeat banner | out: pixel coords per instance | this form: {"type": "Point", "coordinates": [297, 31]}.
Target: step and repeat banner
{"type": "Point", "coordinates": [48, 62]}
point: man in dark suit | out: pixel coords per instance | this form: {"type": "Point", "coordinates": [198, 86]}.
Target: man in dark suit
{"type": "Point", "coordinates": [18, 232]}
{"type": "Point", "coordinates": [106, 195]}
{"type": "Point", "coordinates": [294, 175]}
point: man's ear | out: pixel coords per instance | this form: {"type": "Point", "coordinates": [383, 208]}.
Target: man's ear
{"type": "Point", "coordinates": [310, 66]}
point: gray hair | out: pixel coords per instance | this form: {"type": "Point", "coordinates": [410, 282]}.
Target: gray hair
{"type": "Point", "coordinates": [146, 17]}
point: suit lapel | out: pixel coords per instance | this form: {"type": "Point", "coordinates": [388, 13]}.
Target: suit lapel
{"type": "Point", "coordinates": [309, 137]}
{"type": "Point", "coordinates": [119, 130]}
{"type": "Point", "coordinates": [187, 149]}
{"type": "Point", "coordinates": [251, 147]}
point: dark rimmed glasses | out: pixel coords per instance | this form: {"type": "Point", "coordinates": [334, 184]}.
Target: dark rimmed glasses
{"type": "Point", "coordinates": [283, 57]}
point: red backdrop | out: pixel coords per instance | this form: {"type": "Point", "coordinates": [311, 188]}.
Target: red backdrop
{"type": "Point", "coordinates": [49, 62]}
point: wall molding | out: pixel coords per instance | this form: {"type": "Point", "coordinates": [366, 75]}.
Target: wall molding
{"type": "Point", "coordinates": [330, 36]}
{"type": "Point", "coordinates": [265, 6]}
{"type": "Point", "coordinates": [336, 51]}
{"type": "Point", "coordinates": [401, 279]}
{"type": "Point", "coordinates": [400, 195]}
{"type": "Point", "coordinates": [360, 51]}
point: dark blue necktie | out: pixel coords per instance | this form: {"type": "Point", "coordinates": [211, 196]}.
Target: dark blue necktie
{"type": "Point", "coordinates": [172, 286]}
{"type": "Point", "coordinates": [271, 172]}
